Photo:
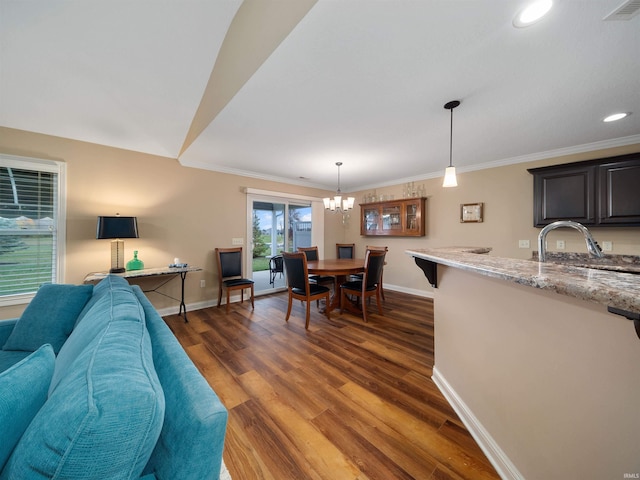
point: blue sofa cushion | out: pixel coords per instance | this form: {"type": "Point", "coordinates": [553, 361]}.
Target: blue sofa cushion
{"type": "Point", "coordinates": [107, 285]}
{"type": "Point", "coordinates": [49, 317]}
{"type": "Point", "coordinates": [104, 417]}
{"type": "Point", "coordinates": [115, 301]}
{"type": "Point", "coordinates": [23, 391]}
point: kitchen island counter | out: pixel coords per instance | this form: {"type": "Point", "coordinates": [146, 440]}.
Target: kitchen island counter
{"type": "Point", "coordinates": [610, 288]}
{"type": "Point", "coordinates": [539, 370]}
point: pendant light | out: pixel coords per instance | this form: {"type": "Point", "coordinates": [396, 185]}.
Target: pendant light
{"type": "Point", "coordinates": [337, 203]}
{"type": "Point", "coordinates": [450, 173]}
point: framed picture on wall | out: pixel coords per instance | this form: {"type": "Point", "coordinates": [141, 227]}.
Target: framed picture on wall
{"type": "Point", "coordinates": [471, 212]}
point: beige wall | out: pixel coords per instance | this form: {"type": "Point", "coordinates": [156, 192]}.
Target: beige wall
{"type": "Point", "coordinates": [186, 213]}
{"type": "Point", "coordinates": [182, 212]}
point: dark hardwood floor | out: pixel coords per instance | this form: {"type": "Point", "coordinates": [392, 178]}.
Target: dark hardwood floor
{"type": "Point", "coordinates": [343, 400]}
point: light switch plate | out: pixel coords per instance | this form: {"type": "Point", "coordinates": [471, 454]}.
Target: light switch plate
{"type": "Point", "coordinates": [560, 244]}
{"type": "Point", "coordinates": [523, 244]}
{"type": "Point", "coordinates": [237, 241]}
{"type": "Point", "coordinates": [607, 246]}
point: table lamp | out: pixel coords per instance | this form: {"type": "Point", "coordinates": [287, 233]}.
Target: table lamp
{"type": "Point", "coordinates": [116, 228]}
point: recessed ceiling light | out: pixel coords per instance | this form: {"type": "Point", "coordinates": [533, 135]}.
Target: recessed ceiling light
{"type": "Point", "coordinates": [615, 116]}
{"type": "Point", "coordinates": [532, 13]}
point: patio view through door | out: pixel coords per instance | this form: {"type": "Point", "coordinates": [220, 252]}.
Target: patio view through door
{"type": "Point", "coordinates": [277, 225]}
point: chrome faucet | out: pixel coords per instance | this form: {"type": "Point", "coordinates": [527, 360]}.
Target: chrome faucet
{"type": "Point", "coordinates": [592, 245]}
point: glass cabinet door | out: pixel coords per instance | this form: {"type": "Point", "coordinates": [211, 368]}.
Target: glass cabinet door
{"type": "Point", "coordinates": [371, 218]}
{"type": "Point", "coordinates": [392, 217]}
{"type": "Point", "coordinates": [411, 217]}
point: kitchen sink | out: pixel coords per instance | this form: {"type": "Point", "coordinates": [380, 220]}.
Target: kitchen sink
{"type": "Point", "coordinates": [611, 263]}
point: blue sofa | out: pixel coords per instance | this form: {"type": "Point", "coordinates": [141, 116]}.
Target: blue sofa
{"type": "Point", "coordinates": [94, 385]}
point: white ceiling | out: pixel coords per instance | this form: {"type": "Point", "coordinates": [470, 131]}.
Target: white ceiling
{"type": "Point", "coordinates": [357, 81]}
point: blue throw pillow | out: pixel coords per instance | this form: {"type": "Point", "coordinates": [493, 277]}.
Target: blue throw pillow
{"type": "Point", "coordinates": [23, 391]}
{"type": "Point", "coordinates": [49, 318]}
{"type": "Point", "coordinates": [103, 419]}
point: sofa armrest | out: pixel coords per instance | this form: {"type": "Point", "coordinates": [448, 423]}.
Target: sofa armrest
{"type": "Point", "coordinates": [6, 327]}
{"type": "Point", "coordinates": [192, 437]}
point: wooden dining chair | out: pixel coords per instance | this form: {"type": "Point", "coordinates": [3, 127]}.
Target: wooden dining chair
{"type": "Point", "coordinates": [367, 287]}
{"type": "Point", "coordinates": [230, 274]}
{"type": "Point", "coordinates": [312, 255]}
{"type": "Point", "coordinates": [345, 250]}
{"type": "Point", "coordinates": [299, 286]}
{"type": "Point", "coordinates": [375, 248]}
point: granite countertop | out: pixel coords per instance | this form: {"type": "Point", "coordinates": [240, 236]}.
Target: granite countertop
{"type": "Point", "coordinates": [610, 288]}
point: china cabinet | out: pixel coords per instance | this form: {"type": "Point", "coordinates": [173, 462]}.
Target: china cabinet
{"type": "Point", "coordinates": [400, 218]}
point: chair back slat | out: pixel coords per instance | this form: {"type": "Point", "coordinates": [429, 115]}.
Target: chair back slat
{"type": "Point", "coordinates": [377, 248]}
{"type": "Point", "coordinates": [295, 265]}
{"type": "Point", "coordinates": [373, 264]}
{"type": "Point", "coordinates": [231, 263]}
{"type": "Point", "coordinates": [345, 250]}
{"type": "Point", "coordinates": [310, 252]}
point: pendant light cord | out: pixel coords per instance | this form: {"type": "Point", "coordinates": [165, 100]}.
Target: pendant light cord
{"type": "Point", "coordinates": [450, 106]}
{"type": "Point", "coordinates": [451, 141]}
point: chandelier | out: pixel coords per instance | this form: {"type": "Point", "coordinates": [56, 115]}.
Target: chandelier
{"type": "Point", "coordinates": [337, 203]}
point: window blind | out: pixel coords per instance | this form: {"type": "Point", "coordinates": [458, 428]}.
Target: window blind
{"type": "Point", "coordinates": [28, 229]}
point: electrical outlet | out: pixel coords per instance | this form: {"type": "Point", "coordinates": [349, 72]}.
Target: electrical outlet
{"type": "Point", "coordinates": [523, 244]}
{"type": "Point", "coordinates": [237, 241]}
{"type": "Point", "coordinates": [607, 246]}
{"type": "Point", "coordinates": [560, 244]}
{"type": "Point", "coordinates": [202, 283]}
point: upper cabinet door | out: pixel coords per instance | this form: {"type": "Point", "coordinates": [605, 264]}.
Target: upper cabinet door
{"type": "Point", "coordinates": [619, 184]}
{"type": "Point", "coordinates": [370, 223]}
{"type": "Point", "coordinates": [564, 193]}
{"type": "Point", "coordinates": [413, 217]}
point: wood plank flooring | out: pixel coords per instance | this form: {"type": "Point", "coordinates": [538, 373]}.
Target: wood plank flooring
{"type": "Point", "coordinates": [343, 400]}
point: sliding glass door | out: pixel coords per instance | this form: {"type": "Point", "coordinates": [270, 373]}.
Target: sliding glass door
{"type": "Point", "coordinates": [277, 225]}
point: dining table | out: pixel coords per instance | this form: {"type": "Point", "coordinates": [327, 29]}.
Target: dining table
{"type": "Point", "coordinates": [340, 268]}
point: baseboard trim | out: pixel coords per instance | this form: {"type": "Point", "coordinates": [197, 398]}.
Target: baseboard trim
{"type": "Point", "coordinates": [410, 291]}
{"type": "Point", "coordinates": [212, 303]}
{"type": "Point", "coordinates": [503, 465]}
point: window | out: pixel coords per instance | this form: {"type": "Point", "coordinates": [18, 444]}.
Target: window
{"type": "Point", "coordinates": [31, 226]}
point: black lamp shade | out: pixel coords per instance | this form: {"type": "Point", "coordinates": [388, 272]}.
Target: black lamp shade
{"type": "Point", "coordinates": [117, 227]}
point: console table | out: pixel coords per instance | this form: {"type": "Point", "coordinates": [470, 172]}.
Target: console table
{"type": "Point", "coordinates": [170, 272]}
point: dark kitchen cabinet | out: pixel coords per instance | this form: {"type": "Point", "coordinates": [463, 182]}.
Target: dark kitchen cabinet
{"type": "Point", "coordinates": [604, 192]}
{"type": "Point", "coordinates": [619, 187]}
